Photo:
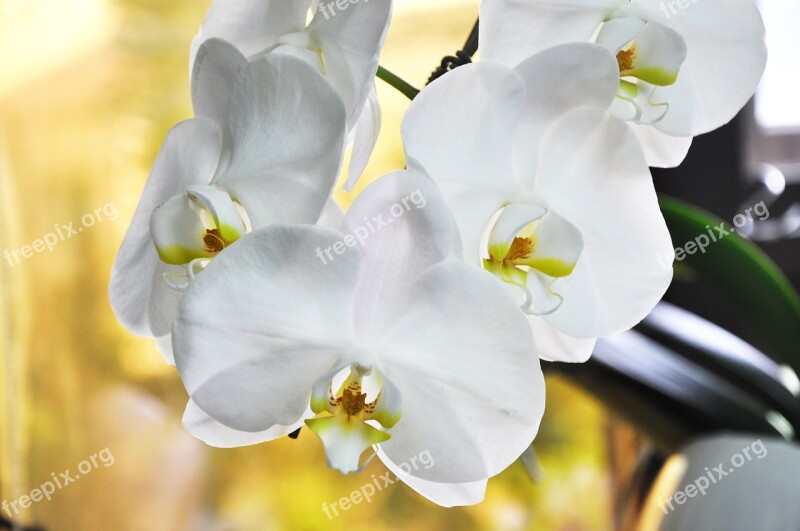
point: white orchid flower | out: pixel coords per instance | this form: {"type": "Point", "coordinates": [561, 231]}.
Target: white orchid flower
{"type": "Point", "coordinates": [686, 68]}
{"type": "Point", "coordinates": [343, 43]}
{"type": "Point", "coordinates": [551, 193]}
{"type": "Point", "coordinates": [270, 155]}
{"type": "Point", "coordinates": [375, 335]}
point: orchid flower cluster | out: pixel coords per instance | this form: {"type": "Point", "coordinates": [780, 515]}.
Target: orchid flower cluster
{"type": "Point", "coordinates": [540, 232]}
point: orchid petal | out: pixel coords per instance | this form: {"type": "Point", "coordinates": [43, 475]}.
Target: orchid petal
{"type": "Point", "coordinates": [616, 33]}
{"type": "Point", "coordinates": [217, 67]}
{"type": "Point", "coordinates": [442, 494]}
{"type": "Point", "coordinates": [403, 227]}
{"type": "Point", "coordinates": [350, 42]}
{"type": "Point", "coordinates": [331, 216]}
{"type": "Point", "coordinates": [161, 304]}
{"type": "Point", "coordinates": [727, 57]}
{"type": "Point", "coordinates": [140, 299]}
{"type": "Point", "coordinates": [164, 343]}
{"type": "Point", "coordinates": [625, 265]}
{"type": "Point", "coordinates": [288, 136]}
{"type": "Point", "coordinates": [251, 25]}
{"type": "Point", "coordinates": [660, 149]}
{"type": "Point", "coordinates": [366, 133]}
{"type": "Point", "coordinates": [475, 414]}
{"type": "Point", "coordinates": [539, 24]}
{"type": "Point", "coordinates": [724, 40]}
{"type": "Point", "coordinates": [552, 345]}
{"type": "Point", "coordinates": [218, 435]}
{"type": "Point", "coordinates": [262, 322]}
{"type": "Point", "coordinates": [439, 131]}
{"type": "Point", "coordinates": [559, 80]}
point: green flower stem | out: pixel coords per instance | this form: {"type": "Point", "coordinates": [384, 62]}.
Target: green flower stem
{"type": "Point", "coordinates": [404, 87]}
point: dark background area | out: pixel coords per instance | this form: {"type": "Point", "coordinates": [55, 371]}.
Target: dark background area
{"type": "Point", "coordinates": [716, 177]}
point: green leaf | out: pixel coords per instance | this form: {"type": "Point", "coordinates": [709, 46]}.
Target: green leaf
{"type": "Point", "coordinates": [743, 273]}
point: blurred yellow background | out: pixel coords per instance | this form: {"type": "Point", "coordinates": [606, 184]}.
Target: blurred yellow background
{"type": "Point", "coordinates": [88, 90]}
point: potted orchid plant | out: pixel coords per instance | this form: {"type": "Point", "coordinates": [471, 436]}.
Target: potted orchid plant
{"type": "Point", "coordinates": [523, 234]}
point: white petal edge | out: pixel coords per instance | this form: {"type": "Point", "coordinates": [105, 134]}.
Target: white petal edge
{"type": "Point", "coordinates": [189, 155]}
{"type": "Point", "coordinates": [218, 435]}
{"type": "Point", "coordinates": [442, 494]}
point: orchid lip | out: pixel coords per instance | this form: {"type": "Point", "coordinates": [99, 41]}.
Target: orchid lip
{"type": "Point", "coordinates": [180, 281]}
{"type": "Point", "coordinates": [649, 55]}
{"type": "Point", "coordinates": [196, 225]}
{"type": "Point", "coordinates": [531, 247]}
{"type": "Point", "coordinates": [346, 421]}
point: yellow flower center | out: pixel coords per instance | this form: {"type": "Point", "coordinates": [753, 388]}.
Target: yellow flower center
{"type": "Point", "coordinates": [520, 248]}
{"type": "Point", "coordinates": [343, 419]}
{"type": "Point", "coordinates": [626, 59]}
{"type": "Point", "coordinates": [213, 241]}
{"type": "Point", "coordinates": [353, 401]}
